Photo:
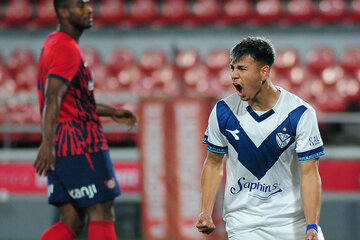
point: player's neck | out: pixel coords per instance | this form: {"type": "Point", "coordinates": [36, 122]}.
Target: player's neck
{"type": "Point", "coordinates": [266, 98]}
{"type": "Point", "coordinates": [75, 33]}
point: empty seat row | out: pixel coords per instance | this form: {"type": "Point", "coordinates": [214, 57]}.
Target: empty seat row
{"type": "Point", "coordinates": [189, 13]}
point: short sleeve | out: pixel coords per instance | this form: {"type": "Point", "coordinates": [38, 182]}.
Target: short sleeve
{"type": "Point", "coordinates": [309, 144]}
{"type": "Point", "coordinates": [215, 140]}
{"type": "Point", "coordinates": [65, 61]}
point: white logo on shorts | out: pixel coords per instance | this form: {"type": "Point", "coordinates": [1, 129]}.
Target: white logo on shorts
{"type": "Point", "coordinates": [50, 189]}
{"type": "Point", "coordinates": [88, 191]}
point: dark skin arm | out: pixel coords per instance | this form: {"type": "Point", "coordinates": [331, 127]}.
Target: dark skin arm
{"type": "Point", "coordinates": [119, 115]}
{"type": "Point", "coordinates": [54, 92]}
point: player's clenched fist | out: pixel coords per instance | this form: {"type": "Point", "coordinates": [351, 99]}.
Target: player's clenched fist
{"type": "Point", "coordinates": [311, 235]}
{"type": "Point", "coordinates": [205, 223]}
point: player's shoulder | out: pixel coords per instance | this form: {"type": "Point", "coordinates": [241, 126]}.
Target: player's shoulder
{"type": "Point", "coordinates": [231, 100]}
{"type": "Point", "coordinates": [294, 101]}
{"type": "Point", "coordinates": [61, 41]}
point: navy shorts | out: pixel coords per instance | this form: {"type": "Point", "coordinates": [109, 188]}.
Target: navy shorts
{"type": "Point", "coordinates": [85, 179]}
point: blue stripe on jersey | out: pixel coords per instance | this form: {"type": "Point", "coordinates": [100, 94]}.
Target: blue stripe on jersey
{"type": "Point", "coordinates": [59, 77]}
{"type": "Point", "coordinates": [258, 160]}
{"type": "Point", "coordinates": [312, 154]}
{"type": "Point", "coordinates": [261, 117]}
{"type": "Point", "coordinates": [213, 148]}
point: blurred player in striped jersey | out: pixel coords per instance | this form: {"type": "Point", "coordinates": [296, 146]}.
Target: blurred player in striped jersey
{"type": "Point", "coordinates": [74, 152]}
{"type": "Point", "coordinates": [271, 137]}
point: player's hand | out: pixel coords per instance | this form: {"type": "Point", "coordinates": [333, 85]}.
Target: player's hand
{"type": "Point", "coordinates": [311, 235]}
{"type": "Point", "coordinates": [45, 159]}
{"type": "Point", "coordinates": [125, 116]}
{"type": "Point", "coordinates": [205, 223]}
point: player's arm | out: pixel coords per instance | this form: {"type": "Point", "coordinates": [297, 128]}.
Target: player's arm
{"type": "Point", "coordinates": [54, 92]}
{"type": "Point", "coordinates": [311, 194]}
{"type": "Point", "coordinates": [119, 115]}
{"type": "Point", "coordinates": [211, 177]}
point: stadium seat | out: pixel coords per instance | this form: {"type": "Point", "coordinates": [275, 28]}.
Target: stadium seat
{"type": "Point", "coordinates": [331, 11]}
{"type": "Point", "coordinates": [267, 11]}
{"type": "Point", "coordinates": [173, 11]}
{"type": "Point", "coordinates": [45, 14]}
{"type": "Point", "coordinates": [286, 58]}
{"type": "Point", "coordinates": [92, 57]}
{"type": "Point", "coordinates": [218, 59]}
{"type": "Point", "coordinates": [330, 75]}
{"type": "Point", "coordinates": [318, 58]}
{"type": "Point", "coordinates": [349, 87]}
{"type": "Point", "coordinates": [17, 13]}
{"type": "Point", "coordinates": [354, 15]}
{"type": "Point", "coordinates": [224, 77]}
{"type": "Point", "coordinates": [100, 75]}
{"type": "Point", "coordinates": [129, 77]}
{"type": "Point", "coordinates": [236, 11]}
{"type": "Point", "coordinates": [350, 59]}
{"type": "Point", "coordinates": [205, 11]}
{"type": "Point", "coordinates": [299, 11]}
{"type": "Point", "coordinates": [186, 59]}
{"type": "Point", "coordinates": [120, 59]}
{"type": "Point", "coordinates": [142, 12]}
{"type": "Point", "coordinates": [297, 76]}
{"type": "Point", "coordinates": [110, 12]}
{"type": "Point", "coordinates": [18, 59]}
{"type": "Point", "coordinates": [165, 81]}
{"type": "Point", "coordinates": [330, 100]}
{"type": "Point", "coordinates": [152, 60]}
{"type": "Point", "coordinates": [26, 78]}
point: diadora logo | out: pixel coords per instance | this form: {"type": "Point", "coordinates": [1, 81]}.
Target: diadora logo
{"type": "Point", "coordinates": [88, 191]}
{"type": "Point", "coordinates": [258, 190]}
{"type": "Point", "coordinates": [234, 133]}
{"type": "Point", "coordinates": [283, 139]}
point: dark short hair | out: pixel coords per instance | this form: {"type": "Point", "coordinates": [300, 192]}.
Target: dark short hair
{"type": "Point", "coordinates": [260, 49]}
{"type": "Point", "coordinates": [59, 4]}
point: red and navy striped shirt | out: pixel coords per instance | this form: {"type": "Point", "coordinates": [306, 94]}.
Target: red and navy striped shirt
{"type": "Point", "coordinates": [78, 130]}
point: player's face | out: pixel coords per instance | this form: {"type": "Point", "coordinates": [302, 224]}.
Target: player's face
{"type": "Point", "coordinates": [248, 77]}
{"type": "Point", "coordinates": [80, 14]}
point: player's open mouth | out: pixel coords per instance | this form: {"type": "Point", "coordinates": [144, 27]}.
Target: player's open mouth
{"type": "Point", "coordinates": [238, 87]}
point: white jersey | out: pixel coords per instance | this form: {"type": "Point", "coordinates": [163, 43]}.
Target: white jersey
{"type": "Point", "coordinates": [264, 150]}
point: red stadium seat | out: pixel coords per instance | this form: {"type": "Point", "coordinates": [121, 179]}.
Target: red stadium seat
{"type": "Point", "coordinates": [165, 81]}
{"type": "Point", "coordinates": [205, 11]}
{"type": "Point", "coordinates": [99, 74]}
{"type": "Point", "coordinates": [330, 100]}
{"type": "Point", "coordinates": [129, 77]}
{"type": "Point", "coordinates": [349, 87]}
{"type": "Point", "coordinates": [18, 12]}
{"type": "Point", "coordinates": [142, 12]}
{"type": "Point", "coordinates": [300, 11]}
{"type": "Point", "coordinates": [298, 75]}
{"type": "Point", "coordinates": [236, 11]}
{"type": "Point", "coordinates": [152, 60]}
{"type": "Point", "coordinates": [92, 57]}
{"type": "Point", "coordinates": [45, 13]}
{"type": "Point", "coordinates": [186, 59]}
{"type": "Point", "coordinates": [26, 78]}
{"type": "Point", "coordinates": [319, 58]}
{"type": "Point", "coordinates": [110, 12]}
{"type": "Point", "coordinates": [354, 15]}
{"type": "Point", "coordinates": [350, 59]}
{"type": "Point", "coordinates": [217, 60]}
{"type": "Point", "coordinates": [286, 58]}
{"type": "Point", "coordinates": [331, 75]}
{"type": "Point", "coordinates": [331, 11]}
{"type": "Point", "coordinates": [19, 59]}
{"type": "Point", "coordinates": [268, 11]}
{"type": "Point", "coordinates": [173, 11]}
{"type": "Point", "coordinates": [120, 59]}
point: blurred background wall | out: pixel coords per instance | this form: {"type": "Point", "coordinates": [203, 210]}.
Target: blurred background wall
{"type": "Point", "coordinates": [176, 50]}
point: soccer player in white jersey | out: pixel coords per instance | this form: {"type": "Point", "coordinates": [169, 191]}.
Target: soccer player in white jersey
{"type": "Point", "coordinates": [273, 144]}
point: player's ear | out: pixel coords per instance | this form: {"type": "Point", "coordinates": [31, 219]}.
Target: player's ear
{"type": "Point", "coordinates": [64, 13]}
{"type": "Point", "coordinates": [264, 72]}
